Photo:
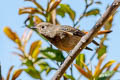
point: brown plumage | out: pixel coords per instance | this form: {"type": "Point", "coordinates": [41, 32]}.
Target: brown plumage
{"type": "Point", "coordinates": [62, 36]}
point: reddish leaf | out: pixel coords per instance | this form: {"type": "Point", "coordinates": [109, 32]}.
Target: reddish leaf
{"type": "Point", "coordinates": [97, 70]}
{"type": "Point", "coordinates": [8, 75]}
{"type": "Point", "coordinates": [16, 74]}
{"type": "Point", "coordinates": [54, 5]}
{"type": "Point", "coordinates": [82, 71]}
{"type": "Point", "coordinates": [28, 10]}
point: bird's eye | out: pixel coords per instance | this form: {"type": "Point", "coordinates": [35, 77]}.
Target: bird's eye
{"type": "Point", "coordinates": [43, 27]}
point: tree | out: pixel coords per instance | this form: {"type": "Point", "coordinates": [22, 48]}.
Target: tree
{"type": "Point", "coordinates": [38, 55]}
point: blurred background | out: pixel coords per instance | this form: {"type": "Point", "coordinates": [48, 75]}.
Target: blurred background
{"type": "Point", "coordinates": [9, 17]}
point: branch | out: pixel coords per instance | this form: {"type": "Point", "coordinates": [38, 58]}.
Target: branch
{"type": "Point", "coordinates": [0, 73]}
{"type": "Point", "coordinates": [81, 16]}
{"type": "Point", "coordinates": [85, 40]}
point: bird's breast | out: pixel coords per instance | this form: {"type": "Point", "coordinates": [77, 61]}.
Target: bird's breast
{"type": "Point", "coordinates": [67, 43]}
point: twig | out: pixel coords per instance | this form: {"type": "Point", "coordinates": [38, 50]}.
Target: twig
{"type": "Point", "coordinates": [91, 58]}
{"type": "Point", "coordinates": [84, 12]}
{"type": "Point", "coordinates": [0, 73]}
{"type": "Point", "coordinates": [71, 70]}
{"type": "Point", "coordinates": [81, 16]}
{"type": "Point", "coordinates": [85, 40]}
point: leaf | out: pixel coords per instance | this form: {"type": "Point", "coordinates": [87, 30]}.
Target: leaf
{"type": "Point", "coordinates": [49, 69]}
{"type": "Point", "coordinates": [106, 75]}
{"type": "Point", "coordinates": [37, 20]}
{"type": "Point", "coordinates": [109, 63]}
{"type": "Point", "coordinates": [38, 59]}
{"type": "Point", "coordinates": [80, 58]}
{"type": "Point", "coordinates": [108, 24]}
{"type": "Point", "coordinates": [83, 72]}
{"type": "Point", "coordinates": [48, 17]}
{"type": "Point", "coordinates": [37, 4]}
{"type": "Point", "coordinates": [33, 72]}
{"type": "Point", "coordinates": [86, 67]}
{"type": "Point", "coordinates": [26, 37]}
{"type": "Point", "coordinates": [116, 67]}
{"type": "Point", "coordinates": [20, 55]}
{"type": "Point", "coordinates": [54, 5]}
{"type": "Point", "coordinates": [16, 74]}
{"type": "Point", "coordinates": [105, 66]}
{"type": "Point", "coordinates": [92, 12]}
{"type": "Point", "coordinates": [9, 72]}
{"type": "Point", "coordinates": [27, 62]}
{"type": "Point", "coordinates": [43, 65]}
{"type": "Point", "coordinates": [12, 35]}
{"type": "Point", "coordinates": [68, 76]}
{"type": "Point", "coordinates": [64, 8]}
{"type": "Point", "coordinates": [28, 10]}
{"type": "Point", "coordinates": [53, 54]}
{"type": "Point", "coordinates": [34, 49]}
{"type": "Point", "coordinates": [102, 50]}
{"type": "Point", "coordinates": [115, 70]}
{"type": "Point", "coordinates": [97, 69]}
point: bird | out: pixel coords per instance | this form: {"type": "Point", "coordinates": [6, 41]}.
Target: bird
{"type": "Point", "coordinates": [64, 37]}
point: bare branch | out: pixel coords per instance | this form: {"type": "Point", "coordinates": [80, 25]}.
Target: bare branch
{"type": "Point", "coordinates": [0, 72]}
{"type": "Point", "coordinates": [85, 40]}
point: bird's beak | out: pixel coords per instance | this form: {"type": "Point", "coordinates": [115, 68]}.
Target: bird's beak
{"type": "Point", "coordinates": [33, 28]}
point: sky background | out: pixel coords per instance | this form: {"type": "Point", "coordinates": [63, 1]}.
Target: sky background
{"type": "Point", "coordinates": [9, 17]}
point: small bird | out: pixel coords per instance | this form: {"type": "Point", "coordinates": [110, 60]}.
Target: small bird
{"type": "Point", "coordinates": [64, 37]}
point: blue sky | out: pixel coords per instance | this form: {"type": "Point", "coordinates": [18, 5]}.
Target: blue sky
{"type": "Point", "coordinates": [9, 17]}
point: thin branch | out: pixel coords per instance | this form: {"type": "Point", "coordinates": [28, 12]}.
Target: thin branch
{"type": "Point", "coordinates": [71, 70]}
{"type": "Point", "coordinates": [85, 40]}
{"type": "Point", "coordinates": [0, 72]}
{"type": "Point", "coordinates": [91, 58]}
{"type": "Point", "coordinates": [81, 16]}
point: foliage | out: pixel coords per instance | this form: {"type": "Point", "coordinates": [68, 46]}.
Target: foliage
{"type": "Point", "coordinates": [15, 74]}
{"type": "Point", "coordinates": [100, 73]}
{"type": "Point", "coordinates": [37, 56]}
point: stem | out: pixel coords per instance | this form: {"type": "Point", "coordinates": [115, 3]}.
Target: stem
{"type": "Point", "coordinates": [81, 16]}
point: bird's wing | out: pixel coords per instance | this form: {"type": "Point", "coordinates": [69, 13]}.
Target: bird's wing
{"type": "Point", "coordinates": [72, 31]}
{"type": "Point", "coordinates": [76, 32]}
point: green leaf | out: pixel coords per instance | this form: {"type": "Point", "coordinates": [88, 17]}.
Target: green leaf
{"type": "Point", "coordinates": [33, 72]}
{"type": "Point", "coordinates": [43, 65]}
{"type": "Point", "coordinates": [53, 54]}
{"type": "Point", "coordinates": [106, 75]}
{"type": "Point", "coordinates": [80, 58]}
{"type": "Point", "coordinates": [92, 12]}
{"type": "Point", "coordinates": [102, 50]}
{"type": "Point", "coordinates": [65, 8]}
{"type": "Point", "coordinates": [27, 62]}
{"type": "Point", "coordinates": [30, 20]}
{"type": "Point", "coordinates": [69, 77]}
{"type": "Point", "coordinates": [38, 59]}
